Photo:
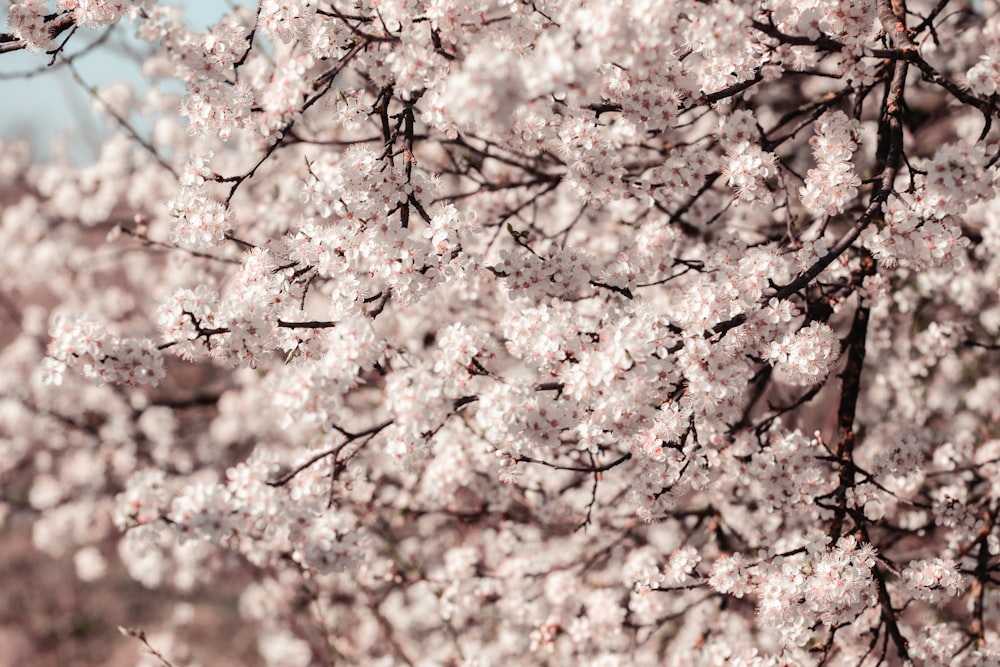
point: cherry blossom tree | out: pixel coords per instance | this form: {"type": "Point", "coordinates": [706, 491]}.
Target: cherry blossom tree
{"type": "Point", "coordinates": [481, 332]}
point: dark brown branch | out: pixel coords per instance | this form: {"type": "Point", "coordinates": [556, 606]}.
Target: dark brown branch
{"type": "Point", "coordinates": [849, 394]}
{"type": "Point", "coordinates": [349, 438]}
{"type": "Point", "coordinates": [312, 324]}
{"type": "Point", "coordinates": [593, 469]}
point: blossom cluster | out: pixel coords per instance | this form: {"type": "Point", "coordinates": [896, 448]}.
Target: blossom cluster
{"type": "Point", "coordinates": [834, 182]}
{"type": "Point", "coordinates": [87, 346]}
{"type": "Point", "coordinates": [805, 357]}
{"type": "Point", "coordinates": [27, 23]}
{"type": "Point", "coordinates": [201, 221]}
{"type": "Point", "coordinates": [909, 240]}
{"type": "Point", "coordinates": [957, 177]}
{"type": "Point", "coordinates": [984, 77]}
{"type": "Point", "coordinates": [933, 579]}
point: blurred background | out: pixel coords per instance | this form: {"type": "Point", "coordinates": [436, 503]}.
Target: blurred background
{"type": "Point", "coordinates": [49, 616]}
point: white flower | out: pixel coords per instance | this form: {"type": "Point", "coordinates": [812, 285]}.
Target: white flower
{"type": "Point", "coordinates": [805, 357]}
{"type": "Point", "coordinates": [747, 167]}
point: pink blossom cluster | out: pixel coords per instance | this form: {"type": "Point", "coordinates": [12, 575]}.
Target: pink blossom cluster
{"type": "Point", "coordinates": [805, 357]}
{"type": "Point", "coordinates": [746, 166]}
{"type": "Point", "coordinates": [850, 21]}
{"type": "Point", "coordinates": [909, 240]}
{"type": "Point", "coordinates": [933, 579]}
{"type": "Point", "coordinates": [217, 106]}
{"type": "Point", "coordinates": [100, 13]}
{"type": "Point", "coordinates": [833, 586]}
{"type": "Point", "coordinates": [200, 220]}
{"type": "Point", "coordinates": [834, 181]}
{"type": "Point", "coordinates": [27, 22]}
{"type": "Point", "coordinates": [30, 20]}
{"type": "Point", "coordinates": [957, 176]}
{"type": "Point", "coordinates": [87, 346]}
{"type": "Point", "coordinates": [983, 78]}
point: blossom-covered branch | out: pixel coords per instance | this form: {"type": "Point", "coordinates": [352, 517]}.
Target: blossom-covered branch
{"type": "Point", "coordinates": [513, 332]}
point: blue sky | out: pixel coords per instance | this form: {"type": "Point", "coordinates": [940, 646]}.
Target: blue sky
{"type": "Point", "coordinates": [50, 107]}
